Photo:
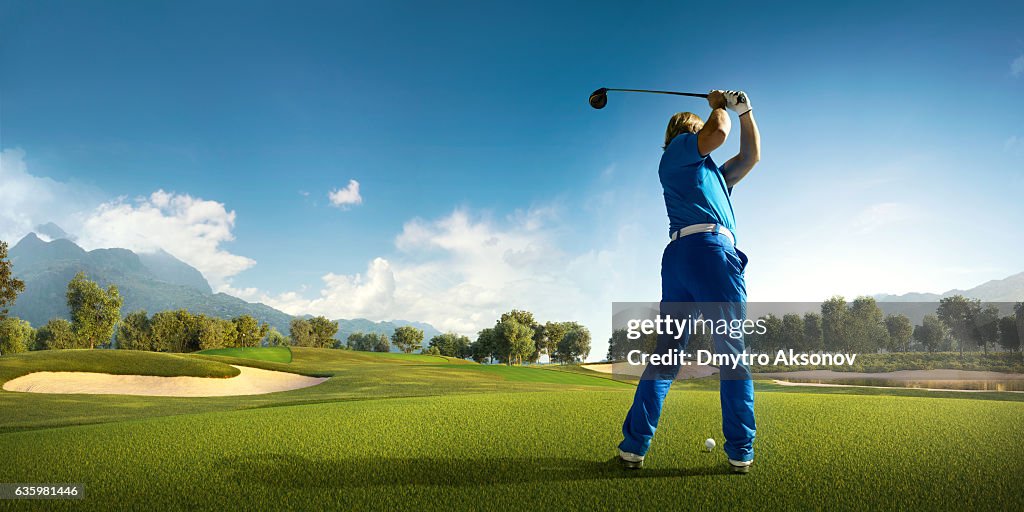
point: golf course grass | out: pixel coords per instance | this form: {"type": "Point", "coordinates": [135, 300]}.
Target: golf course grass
{"type": "Point", "coordinates": [274, 354]}
{"type": "Point", "coordinates": [415, 433]}
{"type": "Point", "coordinates": [123, 362]}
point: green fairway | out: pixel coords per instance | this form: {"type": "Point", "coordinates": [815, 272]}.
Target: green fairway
{"type": "Point", "coordinates": [390, 433]}
{"type": "Point", "coordinates": [274, 354]}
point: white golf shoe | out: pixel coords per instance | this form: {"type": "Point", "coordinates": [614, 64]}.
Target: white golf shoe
{"type": "Point", "coordinates": [631, 460]}
{"type": "Point", "coordinates": [739, 466]}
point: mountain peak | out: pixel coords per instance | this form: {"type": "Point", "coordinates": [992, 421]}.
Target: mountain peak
{"type": "Point", "coordinates": [32, 247]}
{"type": "Point", "coordinates": [29, 240]}
{"type": "Point", "coordinates": [1008, 289]}
{"type": "Point", "coordinates": [53, 232]}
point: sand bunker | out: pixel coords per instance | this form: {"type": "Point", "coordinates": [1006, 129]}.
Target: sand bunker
{"type": "Point", "coordinates": [825, 385]}
{"type": "Point", "coordinates": [251, 381]}
{"type": "Point", "coordinates": [900, 375]}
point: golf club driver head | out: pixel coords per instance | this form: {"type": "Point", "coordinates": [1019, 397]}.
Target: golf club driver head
{"type": "Point", "coordinates": [599, 98]}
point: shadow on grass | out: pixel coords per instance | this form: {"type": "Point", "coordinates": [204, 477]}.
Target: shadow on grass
{"type": "Point", "coordinates": [294, 471]}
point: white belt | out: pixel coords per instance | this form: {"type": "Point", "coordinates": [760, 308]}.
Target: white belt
{"type": "Point", "coordinates": [704, 228]}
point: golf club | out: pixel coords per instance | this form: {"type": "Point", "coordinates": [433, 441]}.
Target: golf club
{"type": "Point", "coordinates": [599, 98]}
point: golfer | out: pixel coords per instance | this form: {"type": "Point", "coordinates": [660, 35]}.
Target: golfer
{"type": "Point", "coordinates": [702, 269]}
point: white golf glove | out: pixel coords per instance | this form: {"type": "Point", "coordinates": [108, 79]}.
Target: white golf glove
{"type": "Point", "coordinates": [737, 101]}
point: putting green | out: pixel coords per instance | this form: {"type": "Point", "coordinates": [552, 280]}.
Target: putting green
{"type": "Point", "coordinates": [273, 354]}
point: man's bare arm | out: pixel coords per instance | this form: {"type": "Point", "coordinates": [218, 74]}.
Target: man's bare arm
{"type": "Point", "coordinates": [740, 165]}
{"type": "Point", "coordinates": [717, 127]}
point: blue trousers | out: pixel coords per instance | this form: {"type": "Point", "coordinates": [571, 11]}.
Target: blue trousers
{"type": "Point", "coordinates": [702, 271]}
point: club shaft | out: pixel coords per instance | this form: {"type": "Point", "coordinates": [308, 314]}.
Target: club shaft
{"type": "Point", "coordinates": [691, 94]}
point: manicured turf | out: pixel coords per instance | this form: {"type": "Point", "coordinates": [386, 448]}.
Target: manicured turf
{"type": "Point", "coordinates": [274, 354]}
{"type": "Point", "coordinates": [354, 376]}
{"type": "Point", "coordinates": [468, 437]}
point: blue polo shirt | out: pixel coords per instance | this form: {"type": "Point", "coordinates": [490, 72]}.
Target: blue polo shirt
{"type": "Point", "coordinates": [695, 190]}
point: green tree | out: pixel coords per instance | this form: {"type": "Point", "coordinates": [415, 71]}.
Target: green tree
{"type": "Point", "coordinates": [369, 342]}
{"type": "Point", "coordinates": [485, 347]}
{"type": "Point", "coordinates": [301, 333]}
{"type": "Point", "coordinates": [214, 333]}
{"type": "Point", "coordinates": [174, 331]}
{"type": "Point", "coordinates": [986, 327]}
{"type": "Point", "coordinates": [432, 351]}
{"type": "Point", "coordinates": [1009, 335]}
{"type": "Point", "coordinates": [771, 340]}
{"type": "Point", "coordinates": [381, 342]}
{"type": "Point", "coordinates": [248, 331]}
{"type": "Point", "coordinates": [865, 326]}
{"type": "Point", "coordinates": [537, 343]}
{"type": "Point", "coordinates": [812, 332]}
{"type": "Point", "coordinates": [515, 340]}
{"type": "Point", "coordinates": [135, 332]}
{"type": "Point", "coordinates": [619, 345]}
{"type": "Point", "coordinates": [451, 345]}
{"type": "Point", "coordinates": [575, 345]}
{"type": "Point", "coordinates": [274, 338]}
{"type": "Point", "coordinates": [407, 338]}
{"type": "Point", "coordinates": [57, 334]}
{"type": "Point", "coordinates": [16, 335]}
{"type": "Point", "coordinates": [1018, 316]}
{"type": "Point", "coordinates": [833, 321]}
{"type": "Point", "coordinates": [553, 332]}
{"type": "Point", "coordinates": [931, 333]}
{"type": "Point", "coordinates": [958, 314]}
{"type": "Point", "coordinates": [323, 331]}
{"type": "Point", "coordinates": [94, 312]}
{"type": "Point", "coordinates": [792, 332]}
{"type": "Point", "coordinates": [360, 341]}
{"type": "Point", "coordinates": [9, 286]}
{"type": "Point", "coordinates": [900, 332]}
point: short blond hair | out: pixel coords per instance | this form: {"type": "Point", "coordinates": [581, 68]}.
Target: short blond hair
{"type": "Point", "coordinates": [682, 122]}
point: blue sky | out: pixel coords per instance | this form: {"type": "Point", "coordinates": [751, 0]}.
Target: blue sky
{"type": "Point", "coordinates": [892, 145]}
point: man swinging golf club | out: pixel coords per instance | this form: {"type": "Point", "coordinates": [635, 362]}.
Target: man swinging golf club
{"type": "Point", "coordinates": [701, 267]}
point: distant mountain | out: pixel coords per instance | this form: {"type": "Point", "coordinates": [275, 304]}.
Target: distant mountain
{"type": "Point", "coordinates": [150, 281]}
{"type": "Point", "coordinates": [53, 231]}
{"type": "Point", "coordinates": [1010, 289]}
{"type": "Point", "coordinates": [154, 282]}
{"type": "Point", "coordinates": [1001, 293]}
{"type": "Point", "coordinates": [346, 327]}
{"type": "Point", "coordinates": [172, 270]}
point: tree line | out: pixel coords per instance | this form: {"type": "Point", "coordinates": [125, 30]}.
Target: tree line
{"type": "Point", "coordinates": [96, 322]}
{"type": "Point", "coordinates": [517, 337]}
{"type": "Point", "coordinates": [959, 324]}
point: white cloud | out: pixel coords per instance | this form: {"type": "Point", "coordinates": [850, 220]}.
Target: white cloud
{"type": "Point", "coordinates": [883, 215]}
{"type": "Point", "coordinates": [192, 229]}
{"type": "Point", "coordinates": [344, 197]}
{"type": "Point", "coordinates": [27, 201]}
{"type": "Point", "coordinates": [461, 271]}
{"type": "Point", "coordinates": [1017, 66]}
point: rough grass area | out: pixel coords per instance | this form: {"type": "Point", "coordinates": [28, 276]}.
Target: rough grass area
{"type": "Point", "coordinates": [273, 354]}
{"type": "Point", "coordinates": [1005, 362]}
{"type": "Point", "coordinates": [538, 451]}
{"type": "Point", "coordinates": [118, 362]}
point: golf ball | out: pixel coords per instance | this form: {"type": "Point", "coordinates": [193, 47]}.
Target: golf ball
{"type": "Point", "coordinates": [709, 444]}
